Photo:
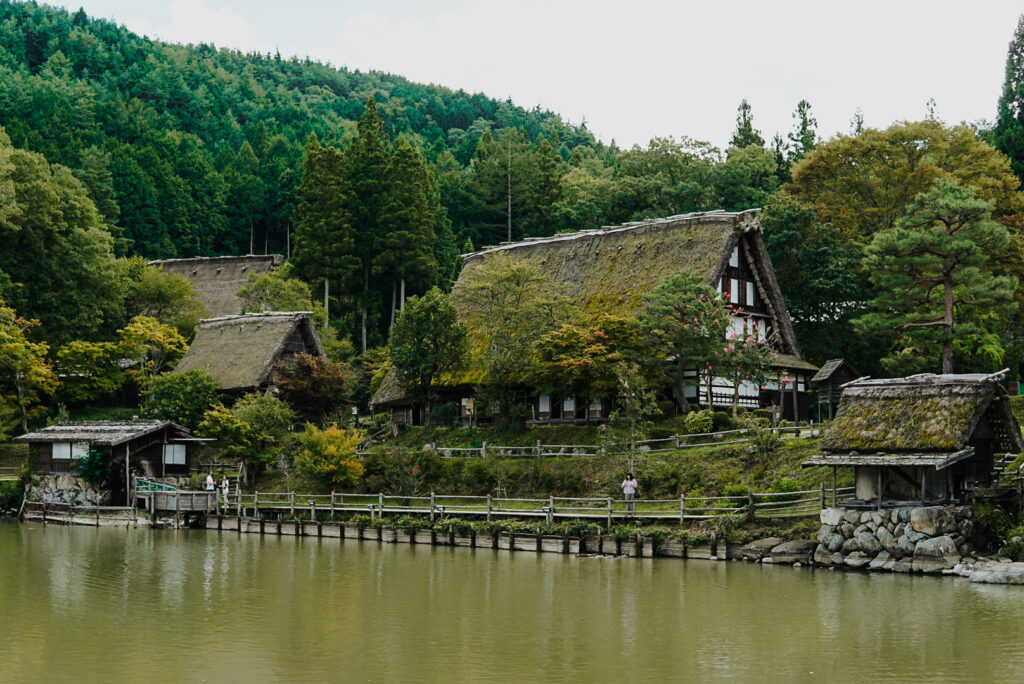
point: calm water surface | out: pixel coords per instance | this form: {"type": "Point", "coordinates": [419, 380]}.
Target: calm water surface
{"type": "Point", "coordinates": [108, 605]}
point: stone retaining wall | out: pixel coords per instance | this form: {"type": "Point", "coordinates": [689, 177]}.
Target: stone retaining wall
{"type": "Point", "coordinates": [67, 489]}
{"type": "Point", "coordinates": [920, 539]}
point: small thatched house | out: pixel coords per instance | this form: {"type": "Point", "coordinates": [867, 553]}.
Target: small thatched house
{"type": "Point", "coordinates": [240, 351]}
{"type": "Point", "coordinates": [217, 280]}
{"type": "Point", "coordinates": [151, 448]}
{"type": "Point", "coordinates": [829, 380]}
{"type": "Point", "coordinates": [924, 438]}
{"type": "Point", "coordinates": [609, 270]}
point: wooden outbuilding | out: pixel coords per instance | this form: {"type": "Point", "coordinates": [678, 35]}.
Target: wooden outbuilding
{"type": "Point", "coordinates": [922, 439]}
{"type": "Point", "coordinates": [830, 380]}
{"type": "Point", "coordinates": [609, 270]}
{"type": "Point", "coordinates": [151, 448]}
{"type": "Point", "coordinates": [240, 352]}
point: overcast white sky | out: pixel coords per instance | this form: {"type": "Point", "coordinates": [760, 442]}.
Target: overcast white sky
{"type": "Point", "coordinates": [638, 68]}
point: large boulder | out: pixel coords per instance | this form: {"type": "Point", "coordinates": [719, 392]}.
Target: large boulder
{"type": "Point", "coordinates": [831, 516]}
{"type": "Point", "coordinates": [933, 521]}
{"type": "Point", "coordinates": [798, 551]}
{"type": "Point", "coordinates": [936, 554]}
{"type": "Point", "coordinates": [759, 548]}
{"type": "Point", "coordinates": [857, 560]}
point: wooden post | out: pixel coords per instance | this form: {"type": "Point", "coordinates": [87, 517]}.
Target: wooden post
{"type": "Point", "coordinates": [551, 508]}
{"type": "Point", "coordinates": [97, 516]}
{"type": "Point", "coordinates": [488, 508]}
{"type": "Point", "coordinates": [682, 508]}
{"type": "Point", "coordinates": [834, 480]}
{"type": "Point", "coordinates": [751, 509]}
{"type": "Point", "coordinates": [177, 508]}
{"type": "Point", "coordinates": [332, 506]}
{"type": "Point", "coordinates": [380, 509]}
{"type": "Point", "coordinates": [483, 449]}
{"type": "Point", "coordinates": [44, 510]}
{"type": "Point", "coordinates": [823, 495]}
{"type": "Point", "coordinates": [609, 511]}
{"type": "Point", "coordinates": [312, 510]}
{"type": "Point", "coordinates": [540, 452]}
{"type": "Point", "coordinates": [256, 506]}
{"type": "Point", "coordinates": [291, 504]}
{"type": "Point", "coordinates": [431, 508]}
{"type": "Point", "coordinates": [676, 440]}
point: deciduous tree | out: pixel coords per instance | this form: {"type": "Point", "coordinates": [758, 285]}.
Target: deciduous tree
{"type": "Point", "coordinates": [25, 375]}
{"type": "Point", "coordinates": [315, 388]}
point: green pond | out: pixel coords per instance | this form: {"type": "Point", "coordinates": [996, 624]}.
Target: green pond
{"type": "Point", "coordinates": [81, 604]}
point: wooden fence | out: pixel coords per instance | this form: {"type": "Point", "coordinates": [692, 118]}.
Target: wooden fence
{"type": "Point", "coordinates": [10, 473]}
{"type": "Point", "coordinates": [649, 446]}
{"type": "Point", "coordinates": [45, 511]}
{"type": "Point", "coordinates": [315, 506]}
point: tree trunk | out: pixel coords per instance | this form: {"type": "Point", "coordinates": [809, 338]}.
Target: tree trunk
{"type": "Point", "coordinates": [401, 300]}
{"type": "Point", "coordinates": [735, 397]}
{"type": "Point", "coordinates": [947, 343]}
{"type": "Point", "coordinates": [366, 290]}
{"type": "Point", "coordinates": [327, 311]}
{"type": "Point", "coordinates": [18, 380]}
{"type": "Point", "coordinates": [679, 388]}
{"type": "Point", "coordinates": [394, 299]}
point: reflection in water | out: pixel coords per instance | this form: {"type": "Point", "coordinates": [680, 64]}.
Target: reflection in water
{"type": "Point", "coordinates": [96, 605]}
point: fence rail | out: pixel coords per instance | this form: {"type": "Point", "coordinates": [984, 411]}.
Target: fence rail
{"type": "Point", "coordinates": [10, 472]}
{"type": "Point", "coordinates": [52, 511]}
{"type": "Point", "coordinates": [651, 446]}
{"type": "Point", "coordinates": [757, 504]}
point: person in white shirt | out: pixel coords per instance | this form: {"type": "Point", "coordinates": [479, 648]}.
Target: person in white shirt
{"type": "Point", "coordinates": [629, 489]}
{"type": "Point", "coordinates": [225, 487]}
{"type": "Point", "coordinates": [210, 484]}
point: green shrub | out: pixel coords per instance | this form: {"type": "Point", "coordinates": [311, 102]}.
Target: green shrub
{"type": "Point", "coordinates": [784, 484]}
{"type": "Point", "coordinates": [94, 468]}
{"type": "Point", "coordinates": [698, 422]}
{"type": "Point", "coordinates": [721, 420]}
{"type": "Point", "coordinates": [581, 528]}
{"type": "Point", "coordinates": [11, 493]}
{"type": "Point", "coordinates": [667, 407]}
{"type": "Point", "coordinates": [1013, 545]}
{"type": "Point", "coordinates": [361, 521]}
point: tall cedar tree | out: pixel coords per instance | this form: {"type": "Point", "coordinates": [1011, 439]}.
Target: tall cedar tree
{"type": "Point", "coordinates": [325, 240]}
{"type": "Point", "coordinates": [932, 274]}
{"type": "Point", "coordinates": [405, 249]}
{"type": "Point", "coordinates": [688, 319]}
{"type": "Point", "coordinates": [427, 341]}
{"type": "Point", "coordinates": [1008, 134]}
{"type": "Point", "coordinates": [366, 177]}
{"type": "Point", "coordinates": [745, 134]}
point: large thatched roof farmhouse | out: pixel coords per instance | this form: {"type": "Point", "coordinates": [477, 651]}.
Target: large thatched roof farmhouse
{"type": "Point", "coordinates": [609, 270]}
{"type": "Point", "coordinates": [923, 438]}
{"type": "Point", "coordinates": [240, 351]}
{"type": "Point", "coordinates": [217, 280]}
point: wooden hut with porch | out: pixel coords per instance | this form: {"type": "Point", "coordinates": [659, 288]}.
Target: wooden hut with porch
{"type": "Point", "coordinates": [920, 440]}
{"type": "Point", "coordinates": [241, 352]}
{"type": "Point", "coordinates": [830, 380]}
{"type": "Point", "coordinates": [151, 448]}
{"type": "Point", "coordinates": [217, 280]}
{"type": "Point", "coordinates": [609, 270]}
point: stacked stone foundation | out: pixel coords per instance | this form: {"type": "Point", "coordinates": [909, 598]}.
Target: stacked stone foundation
{"type": "Point", "coordinates": [926, 539]}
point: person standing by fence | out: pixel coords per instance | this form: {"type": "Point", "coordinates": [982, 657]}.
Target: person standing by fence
{"type": "Point", "coordinates": [225, 487]}
{"type": "Point", "coordinates": [629, 489]}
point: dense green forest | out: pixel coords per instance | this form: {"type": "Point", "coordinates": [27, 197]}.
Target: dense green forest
{"type": "Point", "coordinates": [115, 147]}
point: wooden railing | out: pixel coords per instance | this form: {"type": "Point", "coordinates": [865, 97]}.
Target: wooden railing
{"type": "Point", "coordinates": [50, 511]}
{"type": "Point", "coordinates": [651, 446]}
{"type": "Point", "coordinates": [757, 504]}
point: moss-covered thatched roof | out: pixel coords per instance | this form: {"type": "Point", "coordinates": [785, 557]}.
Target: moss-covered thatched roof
{"type": "Point", "coordinates": [921, 413]}
{"type": "Point", "coordinates": [217, 280]}
{"type": "Point", "coordinates": [609, 270]}
{"type": "Point", "coordinates": [101, 432]}
{"type": "Point", "coordinates": [240, 351]}
{"type": "Point", "coordinates": [829, 368]}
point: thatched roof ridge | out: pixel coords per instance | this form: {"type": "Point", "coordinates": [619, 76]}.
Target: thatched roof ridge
{"type": "Point", "coordinates": [100, 432]}
{"type": "Point", "coordinates": [240, 351]}
{"type": "Point", "coordinates": [921, 413]}
{"type": "Point", "coordinates": [217, 280]}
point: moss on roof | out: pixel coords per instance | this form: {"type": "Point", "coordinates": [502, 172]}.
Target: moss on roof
{"type": "Point", "coordinates": [924, 413]}
{"type": "Point", "coordinates": [240, 351]}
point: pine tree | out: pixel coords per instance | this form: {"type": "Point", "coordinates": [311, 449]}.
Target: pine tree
{"type": "Point", "coordinates": [745, 134]}
{"type": "Point", "coordinates": [1009, 130]}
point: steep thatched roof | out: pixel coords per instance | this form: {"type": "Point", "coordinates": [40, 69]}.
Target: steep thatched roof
{"type": "Point", "coordinates": [217, 280]}
{"type": "Point", "coordinates": [921, 414]}
{"type": "Point", "coordinates": [101, 432]}
{"type": "Point", "coordinates": [240, 351]}
{"type": "Point", "coordinates": [609, 270]}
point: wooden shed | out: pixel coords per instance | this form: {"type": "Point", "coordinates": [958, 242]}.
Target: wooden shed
{"type": "Point", "coordinates": [830, 380]}
{"type": "Point", "coordinates": [240, 352]}
{"type": "Point", "coordinates": [151, 448]}
{"type": "Point", "coordinates": [921, 439]}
